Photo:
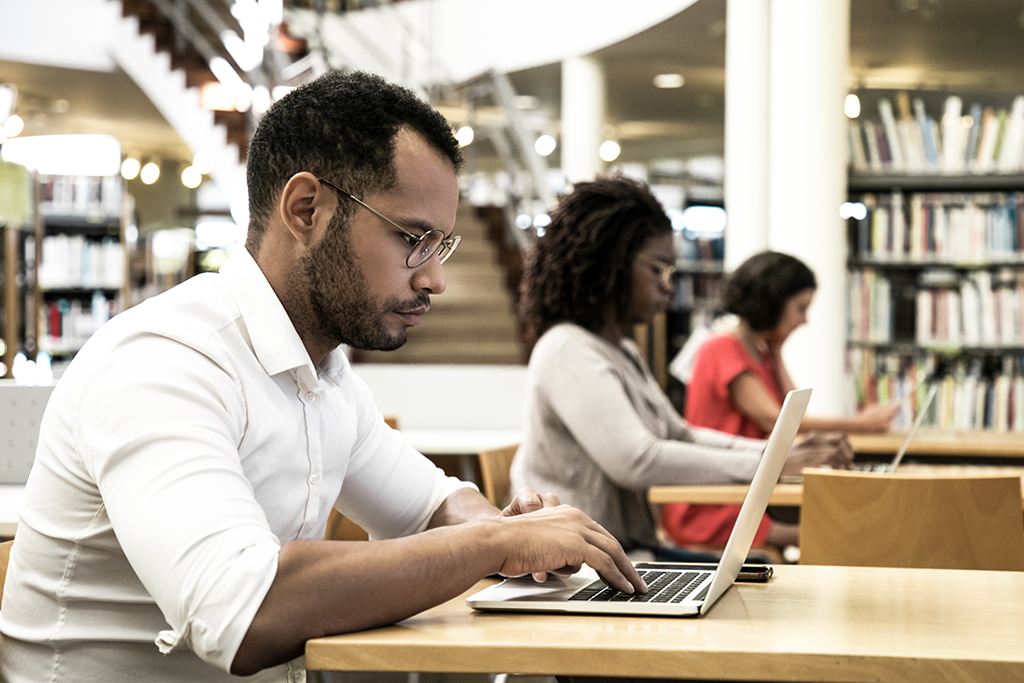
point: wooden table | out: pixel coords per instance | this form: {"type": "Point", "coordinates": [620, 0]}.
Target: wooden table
{"type": "Point", "coordinates": [942, 443]}
{"type": "Point", "coordinates": [809, 623]}
{"type": "Point", "coordinates": [792, 495]}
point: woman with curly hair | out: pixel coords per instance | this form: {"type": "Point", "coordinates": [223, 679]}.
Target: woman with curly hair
{"type": "Point", "coordinates": [599, 430]}
{"type": "Point", "coordinates": [738, 381]}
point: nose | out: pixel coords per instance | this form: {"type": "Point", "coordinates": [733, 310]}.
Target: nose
{"type": "Point", "coordinates": [430, 276]}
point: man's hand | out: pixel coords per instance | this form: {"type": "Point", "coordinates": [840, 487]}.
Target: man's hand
{"type": "Point", "coordinates": [560, 540]}
{"type": "Point", "coordinates": [820, 449]}
{"type": "Point", "coordinates": [527, 500]}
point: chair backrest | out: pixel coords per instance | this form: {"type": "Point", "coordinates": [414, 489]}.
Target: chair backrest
{"type": "Point", "coordinates": [896, 520]}
{"type": "Point", "coordinates": [5, 557]}
{"type": "Point", "coordinates": [341, 528]}
{"type": "Point", "coordinates": [494, 470]}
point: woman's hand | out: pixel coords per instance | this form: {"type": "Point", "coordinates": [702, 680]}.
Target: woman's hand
{"type": "Point", "coordinates": [875, 418]}
{"type": "Point", "coordinates": [819, 449]}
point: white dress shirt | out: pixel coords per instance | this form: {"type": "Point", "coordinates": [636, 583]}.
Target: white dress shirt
{"type": "Point", "coordinates": [187, 442]}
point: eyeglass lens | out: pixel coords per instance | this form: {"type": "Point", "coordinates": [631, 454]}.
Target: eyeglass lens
{"type": "Point", "coordinates": [432, 241]}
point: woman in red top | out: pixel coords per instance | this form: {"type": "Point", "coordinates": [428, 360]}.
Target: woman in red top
{"type": "Point", "coordinates": [739, 381]}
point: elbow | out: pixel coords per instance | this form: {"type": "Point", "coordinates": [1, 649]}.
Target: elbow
{"type": "Point", "coordinates": [260, 650]}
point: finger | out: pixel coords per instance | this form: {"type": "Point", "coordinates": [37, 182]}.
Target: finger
{"type": "Point", "coordinates": [549, 500]}
{"type": "Point", "coordinates": [526, 500]}
{"type": "Point", "coordinates": [613, 566]}
{"type": "Point", "coordinates": [540, 577]}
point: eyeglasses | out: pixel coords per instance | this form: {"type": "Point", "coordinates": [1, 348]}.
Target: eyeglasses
{"type": "Point", "coordinates": [423, 247]}
{"type": "Point", "coordinates": [665, 270]}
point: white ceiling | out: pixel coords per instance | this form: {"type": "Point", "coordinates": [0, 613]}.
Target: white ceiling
{"type": "Point", "coordinates": [967, 46]}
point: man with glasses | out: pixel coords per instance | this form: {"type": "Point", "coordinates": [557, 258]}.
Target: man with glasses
{"type": "Point", "coordinates": [191, 453]}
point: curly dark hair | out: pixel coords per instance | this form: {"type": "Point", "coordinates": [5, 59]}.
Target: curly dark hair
{"type": "Point", "coordinates": [757, 291]}
{"type": "Point", "coordinates": [584, 260]}
{"type": "Point", "coordinates": [340, 126]}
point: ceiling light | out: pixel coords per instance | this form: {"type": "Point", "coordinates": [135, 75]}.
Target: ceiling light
{"type": "Point", "coordinates": [130, 168]}
{"type": "Point", "coordinates": [669, 81]}
{"type": "Point", "coordinates": [852, 106]}
{"type": "Point", "coordinates": [191, 177]}
{"type": "Point", "coordinates": [609, 150]}
{"type": "Point", "coordinates": [545, 145]}
{"type": "Point", "coordinates": [464, 136]}
{"type": "Point", "coordinates": [13, 126]}
{"type": "Point", "coordinates": [92, 155]}
{"type": "Point", "coordinates": [150, 173]}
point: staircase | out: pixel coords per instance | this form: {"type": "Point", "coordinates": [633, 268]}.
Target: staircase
{"type": "Point", "coordinates": [474, 321]}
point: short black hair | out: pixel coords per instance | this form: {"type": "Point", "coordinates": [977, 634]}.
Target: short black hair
{"type": "Point", "coordinates": [584, 260]}
{"type": "Point", "coordinates": [342, 127]}
{"type": "Point", "coordinates": [757, 291]}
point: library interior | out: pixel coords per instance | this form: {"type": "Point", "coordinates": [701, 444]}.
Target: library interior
{"type": "Point", "coordinates": [880, 142]}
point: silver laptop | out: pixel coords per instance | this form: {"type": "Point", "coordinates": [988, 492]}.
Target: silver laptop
{"type": "Point", "coordinates": [890, 466]}
{"type": "Point", "coordinates": [671, 591]}
{"type": "Point", "coordinates": [898, 458]}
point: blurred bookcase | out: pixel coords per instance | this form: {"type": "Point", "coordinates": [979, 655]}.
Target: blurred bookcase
{"type": "Point", "coordinates": [936, 259]}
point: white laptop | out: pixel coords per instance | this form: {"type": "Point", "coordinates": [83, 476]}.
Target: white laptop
{"type": "Point", "coordinates": [898, 458]}
{"type": "Point", "coordinates": [671, 591]}
{"type": "Point", "coordinates": [890, 466]}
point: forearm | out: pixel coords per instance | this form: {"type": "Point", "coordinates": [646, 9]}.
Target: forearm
{"type": "Point", "coordinates": [330, 587]}
{"type": "Point", "coordinates": [462, 505]}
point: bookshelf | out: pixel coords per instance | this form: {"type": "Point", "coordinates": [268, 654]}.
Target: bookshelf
{"type": "Point", "coordinates": [936, 261]}
{"type": "Point", "coordinates": [80, 274]}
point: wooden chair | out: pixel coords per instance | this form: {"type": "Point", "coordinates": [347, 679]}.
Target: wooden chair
{"type": "Point", "coordinates": [905, 520]}
{"type": "Point", "coordinates": [494, 470]}
{"type": "Point", "coordinates": [5, 558]}
{"type": "Point", "coordinates": [341, 528]}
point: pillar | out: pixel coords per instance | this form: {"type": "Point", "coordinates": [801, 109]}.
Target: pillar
{"type": "Point", "coordinates": [746, 130]}
{"type": "Point", "coordinates": [808, 56]}
{"type": "Point", "coordinates": [583, 111]}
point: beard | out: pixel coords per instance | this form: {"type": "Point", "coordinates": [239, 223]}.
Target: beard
{"type": "Point", "coordinates": [341, 308]}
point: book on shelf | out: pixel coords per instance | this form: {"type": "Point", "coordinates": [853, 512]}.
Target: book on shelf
{"type": "Point", "coordinates": [81, 195]}
{"type": "Point", "coordinates": [953, 227]}
{"type": "Point", "coordinates": [68, 323]}
{"type": "Point", "coordinates": [869, 304]}
{"type": "Point", "coordinates": [77, 261]}
{"type": "Point", "coordinates": [908, 139]}
{"type": "Point", "coordinates": [975, 393]}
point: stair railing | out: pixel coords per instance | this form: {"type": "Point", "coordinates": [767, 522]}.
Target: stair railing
{"type": "Point", "coordinates": [528, 193]}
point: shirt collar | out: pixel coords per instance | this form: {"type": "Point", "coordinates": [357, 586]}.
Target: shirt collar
{"type": "Point", "coordinates": [272, 336]}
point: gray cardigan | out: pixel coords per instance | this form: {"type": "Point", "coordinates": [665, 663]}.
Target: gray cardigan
{"type": "Point", "coordinates": [600, 431]}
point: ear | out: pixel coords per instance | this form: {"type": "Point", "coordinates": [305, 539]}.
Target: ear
{"type": "Point", "coordinates": [306, 207]}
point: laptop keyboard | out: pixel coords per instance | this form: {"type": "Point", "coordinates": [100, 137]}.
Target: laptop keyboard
{"type": "Point", "coordinates": [872, 466]}
{"type": "Point", "coordinates": [662, 586]}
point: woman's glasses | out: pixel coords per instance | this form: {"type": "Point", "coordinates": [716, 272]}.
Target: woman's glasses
{"type": "Point", "coordinates": [665, 270]}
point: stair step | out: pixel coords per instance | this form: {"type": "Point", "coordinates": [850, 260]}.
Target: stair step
{"type": "Point", "coordinates": [450, 351]}
{"type": "Point", "coordinates": [466, 329]}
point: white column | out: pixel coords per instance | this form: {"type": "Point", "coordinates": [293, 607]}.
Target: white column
{"type": "Point", "coordinates": [583, 105]}
{"type": "Point", "coordinates": [746, 129]}
{"type": "Point", "coordinates": [809, 51]}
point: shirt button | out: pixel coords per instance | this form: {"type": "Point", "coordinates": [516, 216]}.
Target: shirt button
{"type": "Point", "coordinates": [297, 676]}
{"type": "Point", "coordinates": [314, 478]}
{"type": "Point", "coordinates": [310, 396]}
